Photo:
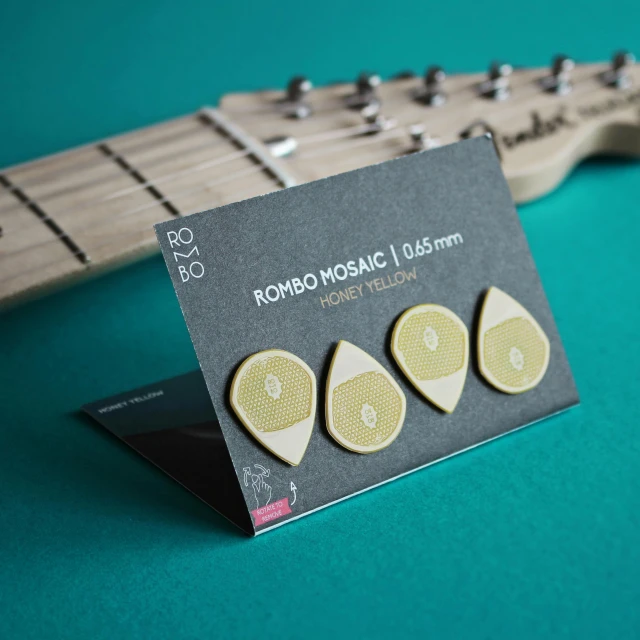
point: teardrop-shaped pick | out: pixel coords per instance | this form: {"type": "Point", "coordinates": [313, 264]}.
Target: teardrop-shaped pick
{"type": "Point", "coordinates": [365, 406]}
{"type": "Point", "coordinates": [513, 351]}
{"type": "Point", "coordinates": [431, 345]}
{"type": "Point", "coordinates": [274, 395]}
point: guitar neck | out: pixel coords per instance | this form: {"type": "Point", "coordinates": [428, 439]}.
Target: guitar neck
{"type": "Point", "coordinates": [82, 211]}
{"type": "Point", "coordinates": [94, 207]}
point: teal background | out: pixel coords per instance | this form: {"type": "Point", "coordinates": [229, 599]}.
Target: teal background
{"type": "Point", "coordinates": [533, 536]}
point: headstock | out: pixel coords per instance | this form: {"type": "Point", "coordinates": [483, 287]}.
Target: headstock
{"type": "Point", "coordinates": [75, 213]}
{"type": "Point", "coordinates": [543, 121]}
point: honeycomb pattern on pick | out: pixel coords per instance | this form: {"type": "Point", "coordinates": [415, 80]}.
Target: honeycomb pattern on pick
{"type": "Point", "coordinates": [348, 399]}
{"type": "Point", "coordinates": [498, 358]}
{"type": "Point", "coordinates": [267, 413]}
{"type": "Point", "coordinates": [421, 361]}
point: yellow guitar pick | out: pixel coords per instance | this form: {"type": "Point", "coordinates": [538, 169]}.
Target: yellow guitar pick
{"type": "Point", "coordinates": [365, 407]}
{"type": "Point", "coordinates": [513, 351]}
{"type": "Point", "coordinates": [431, 346]}
{"type": "Point", "coordinates": [274, 395]}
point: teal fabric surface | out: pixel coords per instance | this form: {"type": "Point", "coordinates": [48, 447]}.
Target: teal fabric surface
{"type": "Point", "coordinates": [533, 536]}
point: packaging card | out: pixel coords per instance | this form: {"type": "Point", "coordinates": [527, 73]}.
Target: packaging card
{"type": "Point", "coordinates": [173, 425]}
{"type": "Point", "coordinates": [342, 259]}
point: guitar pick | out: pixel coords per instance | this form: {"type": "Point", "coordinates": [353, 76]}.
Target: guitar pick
{"type": "Point", "coordinates": [513, 351]}
{"type": "Point", "coordinates": [431, 346]}
{"type": "Point", "coordinates": [274, 395]}
{"type": "Point", "coordinates": [365, 407]}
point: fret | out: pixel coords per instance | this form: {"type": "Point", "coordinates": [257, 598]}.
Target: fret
{"type": "Point", "coordinates": [138, 177]}
{"type": "Point", "coordinates": [207, 176]}
{"type": "Point", "coordinates": [21, 229]}
{"type": "Point", "coordinates": [67, 190]}
{"type": "Point", "coordinates": [47, 220]}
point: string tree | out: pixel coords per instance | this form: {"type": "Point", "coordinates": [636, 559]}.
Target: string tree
{"type": "Point", "coordinates": [375, 120]}
{"type": "Point", "coordinates": [366, 86]}
{"type": "Point", "coordinates": [559, 79]}
{"type": "Point", "coordinates": [281, 146]}
{"type": "Point", "coordinates": [294, 104]}
{"type": "Point", "coordinates": [618, 76]}
{"type": "Point", "coordinates": [420, 139]}
{"type": "Point", "coordinates": [497, 86]}
{"type": "Point", "coordinates": [433, 94]}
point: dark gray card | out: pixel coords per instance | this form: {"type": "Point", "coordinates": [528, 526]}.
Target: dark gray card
{"type": "Point", "coordinates": [435, 227]}
{"type": "Point", "coordinates": [265, 273]}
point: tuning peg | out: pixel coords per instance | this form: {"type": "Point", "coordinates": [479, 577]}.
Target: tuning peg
{"type": "Point", "coordinates": [298, 88]}
{"type": "Point", "coordinates": [420, 141]}
{"type": "Point", "coordinates": [496, 86]}
{"type": "Point", "coordinates": [367, 83]}
{"type": "Point", "coordinates": [618, 75]}
{"type": "Point", "coordinates": [294, 104]}
{"type": "Point", "coordinates": [433, 95]}
{"type": "Point", "coordinates": [365, 95]}
{"type": "Point", "coordinates": [559, 80]}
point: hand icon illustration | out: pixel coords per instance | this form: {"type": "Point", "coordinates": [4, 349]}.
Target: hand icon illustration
{"type": "Point", "coordinates": [261, 490]}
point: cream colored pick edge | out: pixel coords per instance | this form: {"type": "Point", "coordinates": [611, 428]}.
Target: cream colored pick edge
{"type": "Point", "coordinates": [498, 307]}
{"type": "Point", "coordinates": [347, 363]}
{"type": "Point", "coordinates": [443, 392]}
{"type": "Point", "coordinates": [288, 444]}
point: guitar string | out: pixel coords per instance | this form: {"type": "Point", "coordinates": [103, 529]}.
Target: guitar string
{"type": "Point", "coordinates": [378, 138]}
{"type": "Point", "coordinates": [150, 205]}
{"type": "Point", "coordinates": [135, 148]}
{"type": "Point", "coordinates": [340, 101]}
{"type": "Point", "coordinates": [110, 243]}
{"type": "Point", "coordinates": [16, 207]}
{"type": "Point", "coordinates": [383, 136]}
{"type": "Point", "coordinates": [511, 107]}
{"type": "Point", "coordinates": [105, 162]}
{"type": "Point", "coordinates": [155, 203]}
{"type": "Point", "coordinates": [416, 88]}
{"type": "Point", "coordinates": [202, 166]}
{"type": "Point", "coordinates": [40, 180]}
{"type": "Point", "coordinates": [218, 161]}
{"type": "Point", "coordinates": [141, 146]}
{"type": "Point", "coordinates": [311, 139]}
{"type": "Point", "coordinates": [145, 145]}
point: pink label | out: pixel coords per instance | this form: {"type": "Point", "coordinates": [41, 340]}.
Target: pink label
{"type": "Point", "coordinates": [271, 512]}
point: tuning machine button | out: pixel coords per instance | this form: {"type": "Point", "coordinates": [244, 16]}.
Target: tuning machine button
{"type": "Point", "coordinates": [618, 75]}
{"type": "Point", "coordinates": [420, 140]}
{"type": "Point", "coordinates": [497, 85]}
{"type": "Point", "coordinates": [559, 80]}
{"type": "Point", "coordinates": [366, 91]}
{"type": "Point", "coordinates": [294, 104]}
{"type": "Point", "coordinates": [433, 94]}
